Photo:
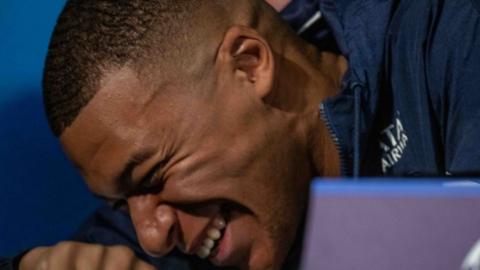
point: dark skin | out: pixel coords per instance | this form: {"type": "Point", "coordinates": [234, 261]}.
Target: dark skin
{"type": "Point", "coordinates": [242, 142]}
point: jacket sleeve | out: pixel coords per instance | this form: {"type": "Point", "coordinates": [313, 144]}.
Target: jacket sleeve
{"type": "Point", "coordinates": [6, 264]}
{"type": "Point", "coordinates": [11, 263]}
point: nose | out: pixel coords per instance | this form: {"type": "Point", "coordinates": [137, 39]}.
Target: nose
{"type": "Point", "coordinates": [155, 223]}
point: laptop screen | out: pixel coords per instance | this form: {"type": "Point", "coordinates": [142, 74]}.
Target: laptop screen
{"type": "Point", "coordinates": [395, 225]}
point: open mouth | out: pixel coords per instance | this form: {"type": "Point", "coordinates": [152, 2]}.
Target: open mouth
{"type": "Point", "coordinates": [214, 234]}
{"type": "Point", "coordinates": [216, 241]}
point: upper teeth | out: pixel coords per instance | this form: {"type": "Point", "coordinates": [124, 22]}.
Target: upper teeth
{"type": "Point", "coordinates": [213, 234]}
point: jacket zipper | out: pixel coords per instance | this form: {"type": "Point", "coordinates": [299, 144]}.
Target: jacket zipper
{"type": "Point", "coordinates": [336, 141]}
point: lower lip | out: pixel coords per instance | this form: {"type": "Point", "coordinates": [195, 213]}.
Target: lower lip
{"type": "Point", "coordinates": [222, 253]}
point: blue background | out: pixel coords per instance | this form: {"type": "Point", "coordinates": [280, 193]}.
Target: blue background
{"type": "Point", "coordinates": [42, 198]}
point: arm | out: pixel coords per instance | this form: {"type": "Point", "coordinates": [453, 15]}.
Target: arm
{"type": "Point", "coordinates": [108, 231]}
{"type": "Point", "coordinates": [105, 241]}
{"type": "Point", "coordinates": [73, 255]}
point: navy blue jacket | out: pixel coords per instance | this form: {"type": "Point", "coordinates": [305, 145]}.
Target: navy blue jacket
{"type": "Point", "coordinates": [409, 103]}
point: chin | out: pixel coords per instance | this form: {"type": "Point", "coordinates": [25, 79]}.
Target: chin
{"type": "Point", "coordinates": [262, 265]}
{"type": "Point", "coordinates": [266, 258]}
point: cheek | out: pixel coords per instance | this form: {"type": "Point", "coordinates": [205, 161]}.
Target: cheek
{"type": "Point", "coordinates": [253, 240]}
{"type": "Point", "coordinates": [270, 243]}
{"type": "Point", "coordinates": [282, 224]}
{"type": "Point", "coordinates": [282, 198]}
{"type": "Point", "coordinates": [277, 195]}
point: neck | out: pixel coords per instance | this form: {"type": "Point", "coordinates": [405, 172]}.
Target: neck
{"type": "Point", "coordinates": [324, 152]}
{"type": "Point", "coordinates": [325, 155]}
{"type": "Point", "coordinates": [311, 77]}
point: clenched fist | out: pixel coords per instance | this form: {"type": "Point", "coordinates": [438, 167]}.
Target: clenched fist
{"type": "Point", "coordinates": [80, 256]}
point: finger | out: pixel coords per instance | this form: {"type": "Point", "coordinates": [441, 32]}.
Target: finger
{"type": "Point", "coordinates": [141, 265]}
{"type": "Point", "coordinates": [43, 263]}
{"type": "Point", "coordinates": [89, 257]}
{"type": "Point", "coordinates": [60, 256]}
{"type": "Point", "coordinates": [118, 258]}
{"type": "Point", "coordinates": [31, 259]}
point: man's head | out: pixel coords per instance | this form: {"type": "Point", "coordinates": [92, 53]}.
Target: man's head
{"type": "Point", "coordinates": [189, 111]}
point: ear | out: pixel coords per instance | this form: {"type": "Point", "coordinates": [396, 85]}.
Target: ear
{"type": "Point", "coordinates": [249, 57]}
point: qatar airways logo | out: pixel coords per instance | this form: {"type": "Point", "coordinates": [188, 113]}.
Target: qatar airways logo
{"type": "Point", "coordinates": [472, 261]}
{"type": "Point", "coordinates": [393, 142]}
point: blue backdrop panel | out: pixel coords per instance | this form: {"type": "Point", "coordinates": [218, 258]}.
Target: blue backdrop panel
{"type": "Point", "coordinates": [42, 198]}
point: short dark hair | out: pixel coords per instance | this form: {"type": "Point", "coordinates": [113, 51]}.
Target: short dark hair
{"type": "Point", "coordinates": [94, 35]}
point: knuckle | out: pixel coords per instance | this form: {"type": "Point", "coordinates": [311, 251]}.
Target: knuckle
{"type": "Point", "coordinates": [63, 245]}
{"type": "Point", "coordinates": [94, 249]}
{"type": "Point", "coordinates": [119, 257]}
{"type": "Point", "coordinates": [42, 265]}
{"type": "Point", "coordinates": [63, 249]}
{"type": "Point", "coordinates": [88, 256]}
{"type": "Point", "coordinates": [122, 251]}
{"type": "Point", "coordinates": [141, 265]}
{"type": "Point", "coordinates": [45, 262]}
{"type": "Point", "coordinates": [48, 261]}
{"type": "Point", "coordinates": [60, 250]}
{"type": "Point", "coordinates": [113, 266]}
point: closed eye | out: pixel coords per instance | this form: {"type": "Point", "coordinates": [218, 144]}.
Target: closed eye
{"type": "Point", "coordinates": [153, 182]}
{"type": "Point", "coordinates": [155, 179]}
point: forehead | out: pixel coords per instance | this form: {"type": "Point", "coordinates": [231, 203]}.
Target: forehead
{"type": "Point", "coordinates": [113, 124]}
{"type": "Point", "coordinates": [120, 96]}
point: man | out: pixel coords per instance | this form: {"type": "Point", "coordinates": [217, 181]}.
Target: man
{"type": "Point", "coordinates": [202, 118]}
